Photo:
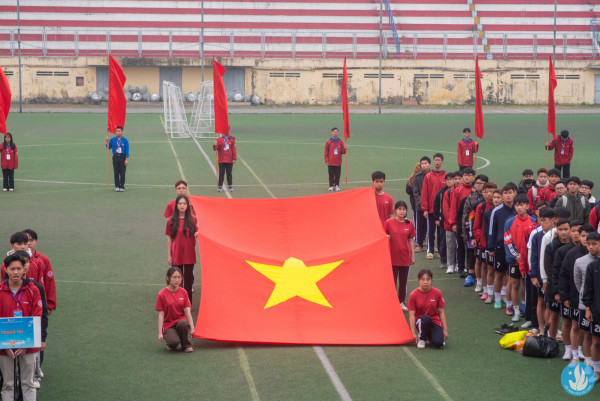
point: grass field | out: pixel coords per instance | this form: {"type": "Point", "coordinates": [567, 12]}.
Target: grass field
{"type": "Point", "coordinates": [109, 255]}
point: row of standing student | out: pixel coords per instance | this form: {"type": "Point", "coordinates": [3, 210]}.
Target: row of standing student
{"type": "Point", "coordinates": [27, 289]}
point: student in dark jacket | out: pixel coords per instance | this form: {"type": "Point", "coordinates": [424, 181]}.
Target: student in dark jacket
{"type": "Point", "coordinates": [438, 218]}
{"type": "Point", "coordinates": [591, 300]}
{"type": "Point", "coordinates": [409, 192]}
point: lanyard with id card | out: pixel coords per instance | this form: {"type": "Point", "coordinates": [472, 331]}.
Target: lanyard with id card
{"type": "Point", "coordinates": [18, 312]}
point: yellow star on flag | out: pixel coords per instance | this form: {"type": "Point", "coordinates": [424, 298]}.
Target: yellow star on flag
{"type": "Point", "coordinates": [293, 279]}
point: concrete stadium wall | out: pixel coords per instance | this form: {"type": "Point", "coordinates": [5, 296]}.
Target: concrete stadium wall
{"type": "Point", "coordinates": [317, 81]}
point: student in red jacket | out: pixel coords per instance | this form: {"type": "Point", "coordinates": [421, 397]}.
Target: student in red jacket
{"type": "Point", "coordinates": [18, 298]}
{"type": "Point", "coordinates": [45, 274]}
{"type": "Point", "coordinates": [563, 152]}
{"type": "Point", "coordinates": [548, 193]}
{"type": "Point", "coordinates": [432, 183]}
{"type": "Point", "coordinates": [181, 188]}
{"type": "Point", "coordinates": [227, 152]}
{"type": "Point", "coordinates": [385, 202]}
{"type": "Point", "coordinates": [478, 239]}
{"type": "Point", "coordinates": [334, 149]}
{"type": "Point", "coordinates": [534, 192]}
{"type": "Point", "coordinates": [9, 163]}
{"type": "Point", "coordinates": [466, 150]}
{"type": "Point", "coordinates": [455, 220]}
{"type": "Point", "coordinates": [450, 234]}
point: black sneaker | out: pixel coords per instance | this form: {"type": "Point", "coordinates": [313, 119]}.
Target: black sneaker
{"type": "Point", "coordinates": [505, 329]}
{"type": "Point", "coordinates": [462, 273]}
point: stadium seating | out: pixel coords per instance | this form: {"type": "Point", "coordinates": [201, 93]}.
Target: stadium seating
{"type": "Point", "coordinates": [427, 29]}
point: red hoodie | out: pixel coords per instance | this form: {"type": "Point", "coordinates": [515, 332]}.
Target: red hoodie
{"type": "Point", "coordinates": [546, 194]}
{"type": "Point", "coordinates": [563, 150]}
{"type": "Point", "coordinates": [446, 208]}
{"type": "Point", "coordinates": [432, 183]}
{"type": "Point", "coordinates": [465, 151]}
{"type": "Point", "coordinates": [478, 223]}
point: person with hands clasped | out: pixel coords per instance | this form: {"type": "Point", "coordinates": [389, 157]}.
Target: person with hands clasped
{"type": "Point", "coordinates": [227, 155]}
{"type": "Point", "coordinates": [175, 321]}
{"type": "Point", "coordinates": [334, 149]}
{"type": "Point", "coordinates": [9, 163]}
{"type": "Point", "coordinates": [427, 318]}
{"type": "Point", "coordinates": [120, 149]}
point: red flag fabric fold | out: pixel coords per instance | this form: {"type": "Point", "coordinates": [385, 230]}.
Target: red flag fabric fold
{"type": "Point", "coordinates": [5, 96]}
{"type": "Point", "coordinates": [479, 129]}
{"type": "Point", "coordinates": [117, 103]}
{"type": "Point", "coordinates": [220, 100]}
{"type": "Point", "coordinates": [345, 103]}
{"type": "Point", "coordinates": [270, 273]}
{"type": "Point", "coordinates": [551, 112]}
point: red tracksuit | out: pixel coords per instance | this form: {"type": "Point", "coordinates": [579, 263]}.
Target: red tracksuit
{"type": "Point", "coordinates": [478, 233]}
{"type": "Point", "coordinates": [546, 194]}
{"type": "Point", "coordinates": [465, 151]}
{"type": "Point", "coordinates": [563, 152]}
{"type": "Point", "coordinates": [515, 240]}
{"type": "Point", "coordinates": [229, 155]}
{"type": "Point", "coordinates": [333, 158]}
{"type": "Point", "coordinates": [458, 194]}
{"type": "Point", "coordinates": [432, 183]}
{"type": "Point", "coordinates": [446, 208]}
{"type": "Point", "coordinates": [30, 303]}
{"type": "Point", "coordinates": [10, 157]}
{"type": "Point", "coordinates": [46, 278]}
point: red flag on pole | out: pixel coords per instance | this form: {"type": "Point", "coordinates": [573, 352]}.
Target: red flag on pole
{"type": "Point", "coordinates": [117, 103]}
{"type": "Point", "coordinates": [221, 116]}
{"type": "Point", "coordinates": [479, 130]}
{"type": "Point", "coordinates": [5, 96]}
{"type": "Point", "coordinates": [551, 112]}
{"type": "Point", "coordinates": [345, 103]}
{"type": "Point", "coordinates": [275, 278]}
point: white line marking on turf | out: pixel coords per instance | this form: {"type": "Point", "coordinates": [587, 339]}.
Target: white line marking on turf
{"type": "Point", "coordinates": [427, 374]}
{"type": "Point", "coordinates": [247, 373]}
{"type": "Point", "coordinates": [333, 376]}
{"type": "Point", "coordinates": [176, 157]}
{"type": "Point", "coordinates": [257, 178]}
{"type": "Point", "coordinates": [108, 283]}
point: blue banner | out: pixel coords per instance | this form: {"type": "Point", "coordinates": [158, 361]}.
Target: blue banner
{"type": "Point", "coordinates": [20, 332]}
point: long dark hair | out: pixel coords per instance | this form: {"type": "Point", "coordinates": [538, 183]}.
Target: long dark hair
{"type": "Point", "coordinates": [189, 226]}
{"type": "Point", "coordinates": [12, 143]}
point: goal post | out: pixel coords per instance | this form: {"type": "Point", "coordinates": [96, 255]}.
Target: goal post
{"type": "Point", "coordinates": [202, 123]}
{"type": "Point", "coordinates": [175, 118]}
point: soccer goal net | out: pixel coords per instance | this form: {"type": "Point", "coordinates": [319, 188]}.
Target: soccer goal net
{"type": "Point", "coordinates": [202, 123]}
{"type": "Point", "coordinates": [176, 123]}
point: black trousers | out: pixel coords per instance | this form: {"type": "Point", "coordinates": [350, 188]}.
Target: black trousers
{"type": "Point", "coordinates": [401, 278]}
{"type": "Point", "coordinates": [565, 170]}
{"type": "Point", "coordinates": [441, 243]}
{"type": "Point", "coordinates": [8, 178]}
{"type": "Point", "coordinates": [334, 175]}
{"type": "Point", "coordinates": [188, 279]}
{"type": "Point", "coordinates": [430, 331]}
{"type": "Point", "coordinates": [225, 168]}
{"type": "Point", "coordinates": [119, 168]}
{"type": "Point", "coordinates": [460, 252]}
{"type": "Point", "coordinates": [421, 227]}
{"type": "Point", "coordinates": [471, 259]}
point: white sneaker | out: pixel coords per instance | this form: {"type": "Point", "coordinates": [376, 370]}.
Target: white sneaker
{"type": "Point", "coordinates": [36, 384]}
{"type": "Point", "coordinates": [5, 190]}
{"type": "Point", "coordinates": [568, 355]}
{"type": "Point", "coordinates": [220, 189]}
{"type": "Point", "coordinates": [517, 316]}
{"type": "Point", "coordinates": [526, 325]}
{"type": "Point", "coordinates": [478, 288]}
{"type": "Point", "coordinates": [450, 270]}
{"type": "Point", "coordinates": [456, 269]}
{"type": "Point", "coordinates": [420, 344]}
{"type": "Point", "coordinates": [337, 188]}
{"type": "Point", "coordinates": [404, 308]}
{"type": "Point", "coordinates": [230, 189]}
{"type": "Point", "coordinates": [10, 189]}
{"type": "Point", "coordinates": [117, 189]}
{"type": "Point", "coordinates": [331, 188]}
{"type": "Point", "coordinates": [41, 373]}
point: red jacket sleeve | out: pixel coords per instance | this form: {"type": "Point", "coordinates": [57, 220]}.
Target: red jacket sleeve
{"type": "Point", "coordinates": [220, 144]}
{"type": "Point", "coordinates": [453, 207]}
{"type": "Point", "coordinates": [552, 144]}
{"type": "Point", "coordinates": [49, 285]}
{"type": "Point", "coordinates": [569, 154]}
{"type": "Point", "coordinates": [478, 225]}
{"type": "Point", "coordinates": [593, 220]}
{"type": "Point", "coordinates": [476, 146]}
{"type": "Point", "coordinates": [234, 150]}
{"type": "Point", "coordinates": [327, 144]}
{"type": "Point", "coordinates": [460, 154]}
{"type": "Point", "coordinates": [17, 157]}
{"type": "Point", "coordinates": [426, 193]}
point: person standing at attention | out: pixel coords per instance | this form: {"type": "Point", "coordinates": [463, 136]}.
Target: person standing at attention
{"type": "Point", "coordinates": [466, 150]}
{"type": "Point", "coordinates": [334, 149]}
{"type": "Point", "coordinates": [120, 149]}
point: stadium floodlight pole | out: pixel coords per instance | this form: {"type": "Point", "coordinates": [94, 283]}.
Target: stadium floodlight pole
{"type": "Point", "coordinates": [19, 41]}
{"type": "Point", "coordinates": [202, 37]}
{"type": "Point", "coordinates": [554, 41]}
{"type": "Point", "coordinates": [380, 48]}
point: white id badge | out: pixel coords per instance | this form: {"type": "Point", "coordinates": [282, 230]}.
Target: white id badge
{"type": "Point", "coordinates": [562, 152]}
{"type": "Point", "coordinates": [226, 147]}
{"type": "Point", "coordinates": [18, 313]}
{"type": "Point", "coordinates": [335, 151]}
{"type": "Point", "coordinates": [467, 152]}
{"type": "Point", "coordinates": [7, 156]}
{"type": "Point", "coordinates": [119, 150]}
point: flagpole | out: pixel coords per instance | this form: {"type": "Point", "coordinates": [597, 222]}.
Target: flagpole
{"type": "Point", "coordinates": [107, 168]}
{"type": "Point", "coordinates": [347, 164]}
{"type": "Point", "coordinates": [216, 162]}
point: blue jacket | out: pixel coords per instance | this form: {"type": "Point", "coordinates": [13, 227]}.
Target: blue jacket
{"type": "Point", "coordinates": [496, 235]}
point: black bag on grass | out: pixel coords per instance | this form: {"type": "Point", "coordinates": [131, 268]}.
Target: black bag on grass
{"type": "Point", "coordinates": [540, 347]}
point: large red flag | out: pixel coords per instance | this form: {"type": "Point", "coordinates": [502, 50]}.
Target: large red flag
{"type": "Point", "coordinates": [117, 103]}
{"type": "Point", "coordinates": [5, 96]}
{"type": "Point", "coordinates": [551, 112]}
{"type": "Point", "coordinates": [479, 130]}
{"type": "Point", "coordinates": [345, 103]}
{"type": "Point", "coordinates": [221, 116]}
{"type": "Point", "coordinates": [273, 272]}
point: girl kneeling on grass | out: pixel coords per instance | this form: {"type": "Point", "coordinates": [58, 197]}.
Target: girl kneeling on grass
{"type": "Point", "coordinates": [174, 313]}
{"type": "Point", "coordinates": [426, 312]}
